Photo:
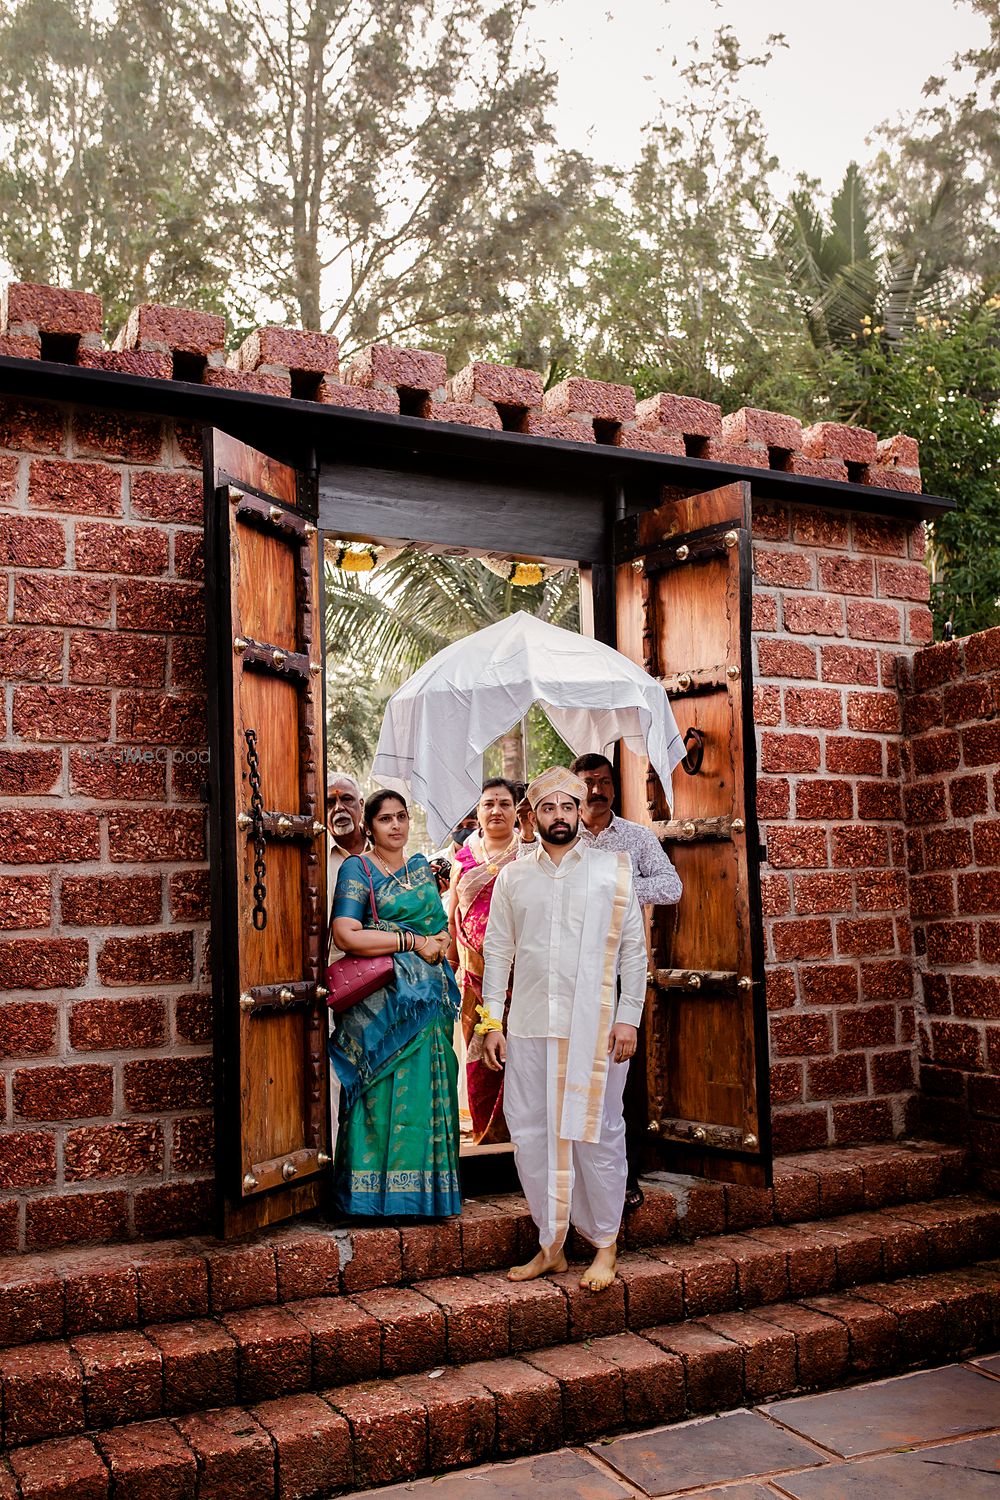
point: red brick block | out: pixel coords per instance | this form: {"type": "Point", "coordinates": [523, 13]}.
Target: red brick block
{"type": "Point", "coordinates": [148, 1461]}
{"type": "Point", "coordinates": [274, 1352]}
{"type": "Point", "coordinates": [822, 1344]}
{"type": "Point", "coordinates": [925, 804]}
{"type": "Point", "coordinates": [194, 1142]}
{"type": "Point", "coordinates": [187, 662]}
{"type": "Point", "coordinates": [28, 307]}
{"type": "Point", "coordinates": [33, 836]}
{"type": "Point", "coordinates": [976, 996]}
{"type": "Point", "coordinates": [290, 349]}
{"type": "Point", "coordinates": [173, 719]}
{"type": "Point", "coordinates": [127, 362]}
{"type": "Point", "coordinates": [307, 1261]}
{"type": "Point", "coordinates": [142, 837]}
{"type": "Point", "coordinates": [876, 534]}
{"type": "Point", "coordinates": [596, 399]}
{"type": "Point", "coordinates": [105, 658]}
{"type": "Point", "coordinates": [412, 1325]}
{"type": "Point", "coordinates": [899, 580]}
{"type": "Point", "coordinates": [235, 1455]}
{"type": "Point", "coordinates": [43, 1392]}
{"type": "Point", "coordinates": [680, 414]}
{"type": "Point", "coordinates": [331, 393]}
{"type": "Point", "coordinates": [766, 704]}
{"type": "Point", "coordinates": [935, 752]}
{"type": "Point", "coordinates": [118, 1150]}
{"type": "Point", "coordinates": [859, 847]}
{"type": "Point", "coordinates": [313, 1445]}
{"type": "Point", "coordinates": [189, 554]}
{"type": "Point", "coordinates": [890, 979]}
{"type": "Point", "coordinates": [101, 900]}
{"type": "Point", "coordinates": [873, 713]}
{"type": "Point", "coordinates": [388, 1430]}
{"type": "Point", "coordinates": [31, 542]}
{"type": "Point", "coordinates": [853, 445]}
{"type": "Point", "coordinates": [809, 937]}
{"type": "Point", "coordinates": [57, 600]}
{"type": "Point", "coordinates": [899, 452]}
{"type": "Point", "coordinates": [773, 798]}
{"type": "Point", "coordinates": [947, 848]}
{"type": "Point", "coordinates": [818, 708]}
{"type": "Point", "coordinates": [466, 414]}
{"type": "Point", "coordinates": [878, 800]}
{"type": "Point", "coordinates": [713, 1365]}
{"type": "Point", "coordinates": [32, 655]}
{"type": "Point", "coordinates": [172, 330]}
{"type": "Point", "coordinates": [27, 1159]}
{"type": "Point", "coordinates": [117, 775]}
{"type": "Point", "coordinates": [20, 346]}
{"type": "Point", "coordinates": [346, 1341]}
{"type": "Point", "coordinates": [870, 621]}
{"type": "Point", "coordinates": [113, 434]}
{"type": "Point", "coordinates": [644, 441]}
{"type": "Point", "coordinates": [537, 1312]}
{"type": "Point", "coordinates": [803, 1035]}
{"type": "Point", "coordinates": [431, 1250]}
{"type": "Point", "coordinates": [102, 548]}
{"type": "Point", "coordinates": [166, 607]}
{"type": "Point", "coordinates": [979, 893]}
{"type": "Point", "coordinates": [488, 1237]}
{"type": "Point", "coordinates": [829, 984]}
{"type": "Point", "coordinates": [783, 658]}
{"type": "Point", "coordinates": [769, 428]}
{"type": "Point", "coordinates": [922, 711]}
{"type": "Point", "coordinates": [528, 1405]}
{"type": "Point", "coordinates": [761, 1270]}
{"type": "Point", "coordinates": [375, 1260]}
{"type": "Point", "coordinates": [708, 1272]}
{"type": "Point", "coordinates": [815, 468]}
{"type": "Point", "coordinates": [768, 1352]}
{"type": "Point", "coordinates": [29, 773]}
{"type": "Point", "coordinates": [156, 958]}
{"type": "Point", "coordinates": [967, 702]}
{"type": "Point", "coordinates": [851, 756]}
{"type": "Point", "coordinates": [199, 1364]}
{"type": "Point", "coordinates": [822, 893]}
{"type": "Point", "coordinates": [792, 569]}
{"type": "Point", "coordinates": [61, 713]}
{"type": "Point", "coordinates": [63, 1093]}
{"type": "Point", "coordinates": [865, 936]}
{"type": "Point", "coordinates": [25, 901]}
{"type": "Point", "coordinates": [981, 744]}
{"type": "Point", "coordinates": [837, 1077]}
{"type": "Point", "coordinates": [101, 1292]}
{"type": "Point", "coordinates": [769, 521]}
{"type": "Point", "coordinates": [66, 1469]}
{"type": "Point", "coordinates": [254, 383]}
{"type": "Point", "coordinates": [27, 1029]}
{"type": "Point", "coordinates": [789, 752]}
{"type": "Point", "coordinates": [167, 497]}
{"type": "Point", "coordinates": [121, 1377]}
{"type": "Point", "coordinates": [796, 1193]}
{"type": "Point", "coordinates": [383, 365]}
{"type": "Point", "coordinates": [172, 1285]}
{"type": "Point", "coordinates": [776, 896]}
{"type": "Point", "coordinates": [592, 1391]}
{"type": "Point", "coordinates": [116, 1025]}
{"type": "Point", "coordinates": [932, 896]}
{"type": "Point", "coordinates": [654, 1290]}
{"type": "Point", "coordinates": [847, 575]}
{"type": "Point", "coordinates": [75, 1219]}
{"type": "Point", "coordinates": [154, 1084]}
{"type": "Point", "coordinates": [814, 615]}
{"type": "Point", "coordinates": [797, 848]}
{"type": "Point", "coordinates": [764, 613]}
{"type": "Point", "coordinates": [821, 528]}
{"type": "Point", "coordinates": [824, 799]}
{"type": "Point", "coordinates": [28, 427]}
{"type": "Point", "coordinates": [475, 1319]}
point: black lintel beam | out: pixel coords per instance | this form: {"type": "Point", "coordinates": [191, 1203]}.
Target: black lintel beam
{"type": "Point", "coordinates": [306, 433]}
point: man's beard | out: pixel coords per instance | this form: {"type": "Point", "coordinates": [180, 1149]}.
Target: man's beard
{"type": "Point", "coordinates": [343, 825]}
{"type": "Point", "coordinates": [560, 833]}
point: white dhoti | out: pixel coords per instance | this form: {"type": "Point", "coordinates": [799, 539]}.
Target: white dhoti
{"type": "Point", "coordinates": [565, 1181]}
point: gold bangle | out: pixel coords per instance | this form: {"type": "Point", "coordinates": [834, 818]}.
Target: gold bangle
{"type": "Point", "coordinates": [488, 1023]}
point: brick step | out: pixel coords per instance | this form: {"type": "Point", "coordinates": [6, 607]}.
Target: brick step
{"type": "Point", "coordinates": [56, 1294]}
{"type": "Point", "coordinates": [103, 1380]}
{"type": "Point", "coordinates": [310, 1446]}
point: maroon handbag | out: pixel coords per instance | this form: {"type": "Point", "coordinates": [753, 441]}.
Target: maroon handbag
{"type": "Point", "coordinates": [354, 977]}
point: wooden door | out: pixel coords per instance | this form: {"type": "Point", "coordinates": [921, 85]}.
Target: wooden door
{"type": "Point", "coordinates": [683, 600]}
{"type": "Point", "coordinates": [268, 850]}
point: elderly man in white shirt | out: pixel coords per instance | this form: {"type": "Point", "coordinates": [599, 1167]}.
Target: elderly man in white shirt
{"type": "Point", "coordinates": [568, 918]}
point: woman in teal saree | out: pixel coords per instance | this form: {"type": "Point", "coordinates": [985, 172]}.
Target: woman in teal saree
{"type": "Point", "coordinates": [397, 1147]}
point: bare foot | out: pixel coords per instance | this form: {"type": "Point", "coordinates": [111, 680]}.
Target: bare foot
{"type": "Point", "coordinates": [601, 1272]}
{"type": "Point", "coordinates": [541, 1264]}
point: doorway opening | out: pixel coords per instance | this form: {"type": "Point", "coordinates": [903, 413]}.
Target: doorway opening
{"type": "Point", "coordinates": [388, 608]}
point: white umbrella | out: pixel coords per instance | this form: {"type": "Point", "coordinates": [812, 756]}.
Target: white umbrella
{"type": "Point", "coordinates": [439, 723]}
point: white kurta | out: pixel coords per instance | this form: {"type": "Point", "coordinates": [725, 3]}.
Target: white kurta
{"type": "Point", "coordinates": [569, 929]}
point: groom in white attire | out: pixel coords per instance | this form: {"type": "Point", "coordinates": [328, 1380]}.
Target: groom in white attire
{"type": "Point", "coordinates": [568, 917]}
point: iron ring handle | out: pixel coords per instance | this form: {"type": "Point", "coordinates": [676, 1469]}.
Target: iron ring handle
{"type": "Point", "coordinates": [696, 753]}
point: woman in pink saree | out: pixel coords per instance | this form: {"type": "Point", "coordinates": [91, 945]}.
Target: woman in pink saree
{"type": "Point", "coordinates": [475, 867]}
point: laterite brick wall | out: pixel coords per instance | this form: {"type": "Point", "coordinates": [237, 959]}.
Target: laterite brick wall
{"type": "Point", "coordinates": [839, 602]}
{"type": "Point", "coordinates": [951, 718]}
{"type": "Point", "coordinates": [105, 1016]}
{"type": "Point", "coordinates": [105, 1006]}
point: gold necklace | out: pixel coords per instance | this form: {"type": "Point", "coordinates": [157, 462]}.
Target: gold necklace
{"type": "Point", "coordinates": [493, 861]}
{"type": "Point", "coordinates": [406, 884]}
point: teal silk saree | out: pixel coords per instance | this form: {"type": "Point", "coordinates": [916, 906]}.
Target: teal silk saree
{"type": "Point", "coordinates": [397, 1147]}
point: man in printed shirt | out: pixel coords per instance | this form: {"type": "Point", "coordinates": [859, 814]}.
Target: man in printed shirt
{"type": "Point", "coordinates": [656, 884]}
{"type": "Point", "coordinates": [567, 917]}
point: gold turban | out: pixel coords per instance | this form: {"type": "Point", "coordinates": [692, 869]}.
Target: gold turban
{"type": "Point", "coordinates": [555, 779]}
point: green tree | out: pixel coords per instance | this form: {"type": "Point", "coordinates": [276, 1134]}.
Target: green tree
{"type": "Point", "coordinates": [941, 384]}
{"type": "Point", "coordinates": [108, 179]}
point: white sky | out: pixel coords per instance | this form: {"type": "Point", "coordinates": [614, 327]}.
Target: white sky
{"type": "Point", "coordinates": [849, 65]}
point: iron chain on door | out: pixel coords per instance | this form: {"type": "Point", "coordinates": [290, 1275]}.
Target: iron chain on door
{"type": "Point", "coordinates": [268, 849]}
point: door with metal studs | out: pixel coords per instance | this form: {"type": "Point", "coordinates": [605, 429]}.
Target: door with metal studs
{"type": "Point", "coordinates": [268, 836]}
{"type": "Point", "coordinates": [683, 601]}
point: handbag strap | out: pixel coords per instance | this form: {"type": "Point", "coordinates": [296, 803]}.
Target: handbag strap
{"type": "Point", "coordinates": [371, 888]}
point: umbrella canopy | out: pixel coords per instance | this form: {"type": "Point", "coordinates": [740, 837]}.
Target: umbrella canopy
{"type": "Point", "coordinates": [439, 723]}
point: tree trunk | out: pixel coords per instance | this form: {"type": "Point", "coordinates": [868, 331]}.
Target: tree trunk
{"type": "Point", "coordinates": [512, 754]}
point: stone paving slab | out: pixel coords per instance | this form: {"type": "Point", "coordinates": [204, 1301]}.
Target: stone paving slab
{"type": "Point", "coordinates": [992, 1363]}
{"type": "Point", "coordinates": [707, 1451]}
{"type": "Point", "coordinates": [967, 1470]}
{"type": "Point", "coordinates": [894, 1413]}
{"type": "Point", "coordinates": [549, 1476]}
